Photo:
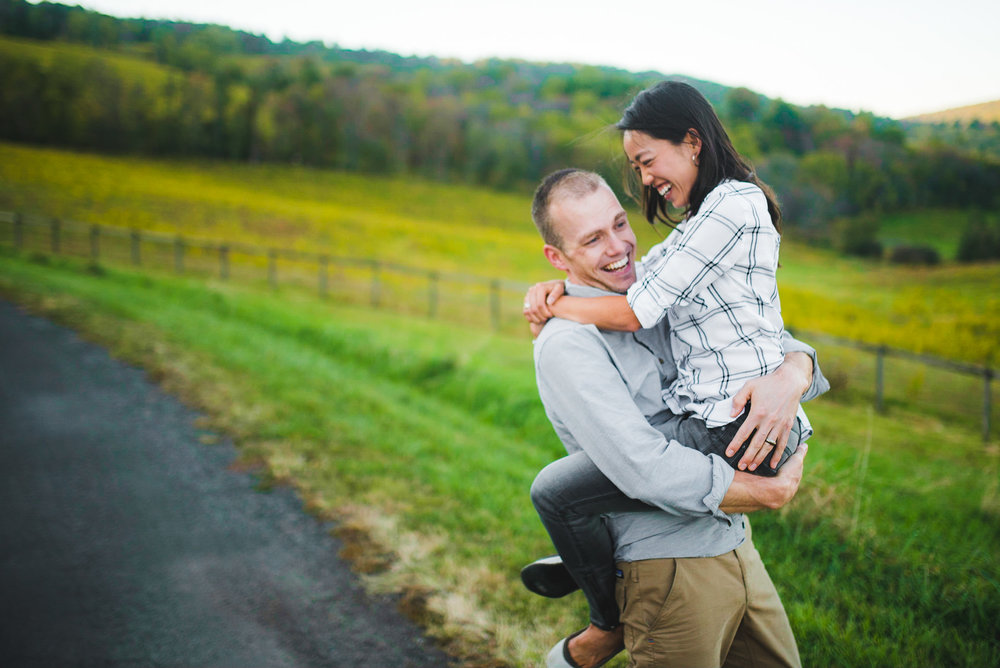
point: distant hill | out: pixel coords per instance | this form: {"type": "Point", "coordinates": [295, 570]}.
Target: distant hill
{"type": "Point", "coordinates": [986, 112]}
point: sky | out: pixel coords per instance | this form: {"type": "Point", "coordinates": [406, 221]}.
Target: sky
{"type": "Point", "coordinates": [894, 58]}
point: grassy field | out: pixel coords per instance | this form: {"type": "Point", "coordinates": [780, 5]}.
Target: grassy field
{"type": "Point", "coordinates": [951, 311]}
{"type": "Point", "coordinates": [420, 439]}
{"type": "Point", "coordinates": [938, 229]}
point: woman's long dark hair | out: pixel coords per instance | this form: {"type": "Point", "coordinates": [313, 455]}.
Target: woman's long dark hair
{"type": "Point", "coordinates": [671, 109]}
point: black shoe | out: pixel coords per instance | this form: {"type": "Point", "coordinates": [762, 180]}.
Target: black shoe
{"type": "Point", "coordinates": [548, 577]}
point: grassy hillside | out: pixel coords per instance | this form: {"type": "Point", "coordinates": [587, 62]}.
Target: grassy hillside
{"type": "Point", "coordinates": [46, 55]}
{"type": "Point", "coordinates": [950, 311]}
{"type": "Point", "coordinates": [986, 112]}
{"type": "Point", "coordinates": [421, 439]}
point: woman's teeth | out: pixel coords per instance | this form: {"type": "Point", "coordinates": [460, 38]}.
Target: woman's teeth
{"type": "Point", "coordinates": [664, 189]}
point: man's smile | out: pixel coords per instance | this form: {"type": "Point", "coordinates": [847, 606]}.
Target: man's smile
{"type": "Point", "coordinates": [615, 266]}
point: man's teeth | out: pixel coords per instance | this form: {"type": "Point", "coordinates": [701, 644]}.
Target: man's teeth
{"type": "Point", "coordinates": [664, 189]}
{"type": "Point", "coordinates": [615, 266]}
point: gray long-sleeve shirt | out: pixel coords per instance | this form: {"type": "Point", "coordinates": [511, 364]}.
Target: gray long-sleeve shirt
{"type": "Point", "coordinates": [602, 391]}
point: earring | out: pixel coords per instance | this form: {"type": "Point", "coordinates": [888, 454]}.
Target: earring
{"type": "Point", "coordinates": [694, 159]}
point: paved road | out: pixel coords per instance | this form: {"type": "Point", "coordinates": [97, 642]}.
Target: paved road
{"type": "Point", "coordinates": [125, 541]}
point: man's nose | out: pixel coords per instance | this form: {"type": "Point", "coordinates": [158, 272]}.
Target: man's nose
{"type": "Point", "coordinates": [616, 246]}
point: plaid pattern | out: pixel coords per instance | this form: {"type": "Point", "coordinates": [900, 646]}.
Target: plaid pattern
{"type": "Point", "coordinates": [714, 279]}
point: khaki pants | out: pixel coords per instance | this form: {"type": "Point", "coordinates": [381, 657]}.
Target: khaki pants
{"type": "Point", "coordinates": [704, 613]}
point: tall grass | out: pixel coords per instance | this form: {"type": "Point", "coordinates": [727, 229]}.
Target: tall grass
{"type": "Point", "coordinates": [427, 436]}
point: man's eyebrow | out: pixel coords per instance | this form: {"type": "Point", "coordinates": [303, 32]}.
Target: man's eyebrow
{"type": "Point", "coordinates": [583, 236]}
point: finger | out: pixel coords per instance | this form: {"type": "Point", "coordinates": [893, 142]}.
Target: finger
{"type": "Point", "coordinates": [756, 443]}
{"type": "Point", "coordinates": [779, 450]}
{"type": "Point", "coordinates": [791, 472]}
{"type": "Point", "coordinates": [557, 291]}
{"type": "Point", "coordinates": [740, 400]}
{"type": "Point", "coordinates": [793, 467]}
{"type": "Point", "coordinates": [535, 308]}
{"type": "Point", "coordinates": [765, 449]}
{"type": "Point", "coordinates": [746, 462]}
{"type": "Point", "coordinates": [741, 437]}
{"type": "Point", "coordinates": [539, 301]}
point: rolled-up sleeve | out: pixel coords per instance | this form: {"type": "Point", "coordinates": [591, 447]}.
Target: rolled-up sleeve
{"type": "Point", "coordinates": [591, 407]}
{"type": "Point", "coordinates": [819, 382]}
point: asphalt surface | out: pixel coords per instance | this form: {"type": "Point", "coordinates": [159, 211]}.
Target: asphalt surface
{"type": "Point", "coordinates": [126, 541]}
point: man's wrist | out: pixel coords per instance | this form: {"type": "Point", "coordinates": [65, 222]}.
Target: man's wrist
{"type": "Point", "coordinates": [749, 493]}
{"type": "Point", "coordinates": [797, 368]}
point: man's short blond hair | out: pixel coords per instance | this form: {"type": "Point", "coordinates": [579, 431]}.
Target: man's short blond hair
{"type": "Point", "coordinates": [558, 185]}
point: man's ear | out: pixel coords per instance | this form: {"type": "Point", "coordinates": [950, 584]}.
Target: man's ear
{"type": "Point", "coordinates": [555, 257]}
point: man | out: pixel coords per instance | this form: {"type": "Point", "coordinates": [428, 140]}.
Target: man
{"type": "Point", "coordinates": [691, 588]}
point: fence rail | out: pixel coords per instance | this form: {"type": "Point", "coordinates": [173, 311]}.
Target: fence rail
{"type": "Point", "coordinates": [378, 283]}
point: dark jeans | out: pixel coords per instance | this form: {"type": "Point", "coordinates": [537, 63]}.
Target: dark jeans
{"type": "Point", "coordinates": [571, 495]}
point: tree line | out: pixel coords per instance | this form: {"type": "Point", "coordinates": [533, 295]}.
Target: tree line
{"type": "Point", "coordinates": [167, 88]}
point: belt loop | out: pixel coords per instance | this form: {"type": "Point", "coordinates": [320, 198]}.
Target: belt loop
{"type": "Point", "coordinates": [633, 572]}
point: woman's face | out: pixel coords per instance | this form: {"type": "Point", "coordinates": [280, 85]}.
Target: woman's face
{"type": "Point", "coordinates": [668, 168]}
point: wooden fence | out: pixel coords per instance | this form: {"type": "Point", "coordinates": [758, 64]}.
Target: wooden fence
{"type": "Point", "coordinates": [449, 295]}
{"type": "Point", "coordinates": [452, 296]}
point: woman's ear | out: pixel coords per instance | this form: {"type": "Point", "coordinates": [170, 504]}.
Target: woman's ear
{"type": "Point", "coordinates": [694, 139]}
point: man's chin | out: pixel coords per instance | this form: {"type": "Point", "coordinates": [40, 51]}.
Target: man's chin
{"type": "Point", "coordinates": [619, 282]}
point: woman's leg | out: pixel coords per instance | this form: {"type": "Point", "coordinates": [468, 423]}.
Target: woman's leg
{"type": "Point", "coordinates": [570, 495]}
{"type": "Point", "coordinates": [693, 432]}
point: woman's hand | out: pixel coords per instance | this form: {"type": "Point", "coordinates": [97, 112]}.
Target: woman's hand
{"type": "Point", "coordinates": [774, 403]}
{"type": "Point", "coordinates": [539, 298]}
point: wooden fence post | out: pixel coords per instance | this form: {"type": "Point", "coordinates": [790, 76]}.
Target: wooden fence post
{"type": "Point", "coordinates": [54, 231]}
{"type": "Point", "coordinates": [95, 243]}
{"type": "Point", "coordinates": [495, 303]}
{"type": "Point", "coordinates": [179, 255]}
{"type": "Point", "coordinates": [879, 379]}
{"type": "Point", "coordinates": [135, 239]}
{"type": "Point", "coordinates": [324, 268]}
{"type": "Point", "coordinates": [432, 294]}
{"type": "Point", "coordinates": [18, 230]}
{"type": "Point", "coordinates": [224, 262]}
{"type": "Point", "coordinates": [376, 296]}
{"type": "Point", "coordinates": [987, 402]}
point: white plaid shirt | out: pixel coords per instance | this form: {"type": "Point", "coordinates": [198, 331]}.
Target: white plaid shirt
{"type": "Point", "coordinates": [714, 279]}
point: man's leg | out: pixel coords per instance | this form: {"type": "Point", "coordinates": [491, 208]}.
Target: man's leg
{"type": "Point", "coordinates": [681, 612]}
{"type": "Point", "coordinates": [764, 638]}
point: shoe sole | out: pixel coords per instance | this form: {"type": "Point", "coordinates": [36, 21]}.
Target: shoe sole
{"type": "Point", "coordinates": [548, 577]}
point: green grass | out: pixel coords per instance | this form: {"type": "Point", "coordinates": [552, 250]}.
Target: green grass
{"type": "Point", "coordinates": [427, 436]}
{"type": "Point", "coordinates": [941, 229]}
{"type": "Point", "coordinates": [952, 311]}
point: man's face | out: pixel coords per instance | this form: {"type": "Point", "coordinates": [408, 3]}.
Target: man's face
{"type": "Point", "coordinates": [598, 243]}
